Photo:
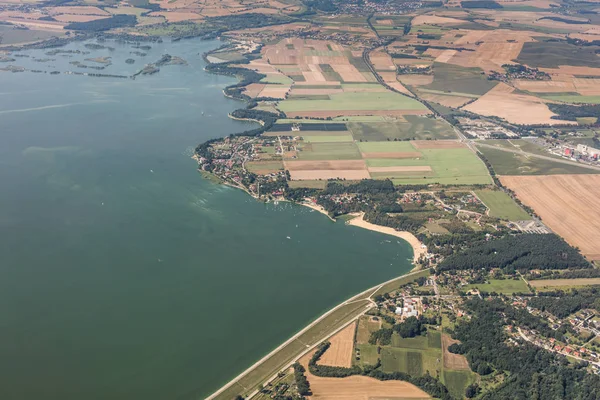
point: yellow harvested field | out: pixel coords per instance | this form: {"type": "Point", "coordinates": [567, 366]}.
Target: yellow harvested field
{"type": "Point", "coordinates": [564, 282]}
{"type": "Point", "coordinates": [515, 108]}
{"type": "Point", "coordinates": [545, 86]}
{"type": "Point", "coordinates": [333, 114]}
{"type": "Point", "coordinates": [43, 25]}
{"type": "Point", "coordinates": [446, 100]}
{"type": "Point", "coordinates": [382, 61]}
{"type": "Point", "coordinates": [77, 18]}
{"type": "Point", "coordinates": [359, 387]}
{"type": "Point", "coordinates": [275, 91]}
{"type": "Point", "coordinates": [328, 83]}
{"type": "Point", "coordinates": [434, 19]}
{"type": "Point", "coordinates": [571, 70]}
{"type": "Point", "coordinates": [339, 354]}
{"type": "Point", "coordinates": [412, 168]}
{"type": "Point", "coordinates": [322, 174]}
{"type": "Point", "coordinates": [568, 204]}
{"type": "Point", "coordinates": [587, 86]}
{"type": "Point", "coordinates": [349, 73]}
{"type": "Point", "coordinates": [254, 89]}
{"type": "Point", "coordinates": [530, 3]}
{"type": "Point", "coordinates": [445, 56]}
{"type": "Point", "coordinates": [78, 10]}
{"type": "Point", "coordinates": [451, 360]}
{"type": "Point", "coordinates": [415, 79]}
{"type": "Point", "coordinates": [177, 16]}
{"type": "Point", "coordinates": [298, 90]}
{"type": "Point", "coordinates": [353, 165]}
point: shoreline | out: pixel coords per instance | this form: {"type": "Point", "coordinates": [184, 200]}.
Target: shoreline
{"type": "Point", "coordinates": [418, 248]}
{"type": "Point", "coordinates": [357, 297]}
{"type": "Point", "coordinates": [318, 208]}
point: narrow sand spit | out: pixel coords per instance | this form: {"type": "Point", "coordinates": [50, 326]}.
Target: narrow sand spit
{"type": "Point", "coordinates": [416, 244]}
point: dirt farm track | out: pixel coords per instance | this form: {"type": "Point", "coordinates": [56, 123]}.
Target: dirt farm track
{"type": "Point", "coordinates": [568, 204]}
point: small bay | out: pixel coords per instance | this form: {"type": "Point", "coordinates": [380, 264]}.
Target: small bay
{"type": "Point", "coordinates": [123, 273]}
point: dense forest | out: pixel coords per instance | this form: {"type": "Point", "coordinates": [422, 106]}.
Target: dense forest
{"type": "Point", "coordinates": [533, 373]}
{"type": "Point", "coordinates": [481, 4]}
{"type": "Point", "coordinates": [570, 274]}
{"type": "Point", "coordinates": [409, 328]}
{"type": "Point", "coordinates": [562, 304]}
{"type": "Point", "coordinates": [522, 252]}
{"type": "Point", "coordinates": [571, 113]}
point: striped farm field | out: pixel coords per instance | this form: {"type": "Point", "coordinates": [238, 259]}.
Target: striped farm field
{"type": "Point", "coordinates": [327, 138]}
{"type": "Point", "coordinates": [568, 204]}
{"type": "Point", "coordinates": [445, 165]}
{"type": "Point", "coordinates": [376, 101]}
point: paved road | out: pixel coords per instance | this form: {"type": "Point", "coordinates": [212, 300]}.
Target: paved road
{"type": "Point", "coordinates": [558, 160]}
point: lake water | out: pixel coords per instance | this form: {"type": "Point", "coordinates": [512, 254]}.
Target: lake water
{"type": "Point", "coordinates": [123, 273]}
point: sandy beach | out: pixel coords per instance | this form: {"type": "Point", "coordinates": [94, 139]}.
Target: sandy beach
{"type": "Point", "coordinates": [318, 208]}
{"type": "Point", "coordinates": [416, 244]}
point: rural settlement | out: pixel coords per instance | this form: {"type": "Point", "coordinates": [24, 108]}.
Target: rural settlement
{"type": "Point", "coordinates": [468, 129]}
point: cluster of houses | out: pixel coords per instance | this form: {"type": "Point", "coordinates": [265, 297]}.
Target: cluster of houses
{"type": "Point", "coordinates": [410, 307]}
{"type": "Point", "coordinates": [483, 129]}
{"type": "Point", "coordinates": [581, 152]}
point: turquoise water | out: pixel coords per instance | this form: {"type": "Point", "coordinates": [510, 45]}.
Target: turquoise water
{"type": "Point", "coordinates": [123, 273]}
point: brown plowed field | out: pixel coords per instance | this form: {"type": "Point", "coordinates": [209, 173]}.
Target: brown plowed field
{"type": "Point", "coordinates": [407, 154]}
{"type": "Point", "coordinates": [339, 354]}
{"type": "Point", "coordinates": [437, 144]}
{"type": "Point", "coordinates": [325, 165]}
{"type": "Point", "coordinates": [453, 361]}
{"type": "Point", "coordinates": [359, 387]}
{"type": "Point", "coordinates": [568, 204]}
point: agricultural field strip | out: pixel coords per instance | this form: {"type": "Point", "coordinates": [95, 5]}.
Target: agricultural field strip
{"type": "Point", "coordinates": [223, 392]}
{"type": "Point", "coordinates": [562, 161]}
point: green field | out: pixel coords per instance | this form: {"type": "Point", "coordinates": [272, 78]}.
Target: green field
{"type": "Point", "coordinates": [457, 382]}
{"type": "Point", "coordinates": [329, 151]}
{"type": "Point", "coordinates": [573, 98]}
{"type": "Point", "coordinates": [453, 78]}
{"type": "Point", "coordinates": [501, 205]}
{"type": "Point", "coordinates": [504, 286]}
{"type": "Point", "coordinates": [554, 54]}
{"type": "Point", "coordinates": [411, 361]}
{"type": "Point", "coordinates": [368, 354]}
{"type": "Point", "coordinates": [449, 166]}
{"type": "Point", "coordinates": [262, 166]}
{"type": "Point", "coordinates": [371, 101]}
{"type": "Point", "coordinates": [458, 94]}
{"type": "Point", "coordinates": [386, 147]}
{"type": "Point", "coordinates": [327, 138]}
{"type": "Point", "coordinates": [414, 127]}
{"type": "Point", "coordinates": [432, 340]}
{"type": "Point", "coordinates": [281, 79]}
{"type": "Point", "coordinates": [506, 163]}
